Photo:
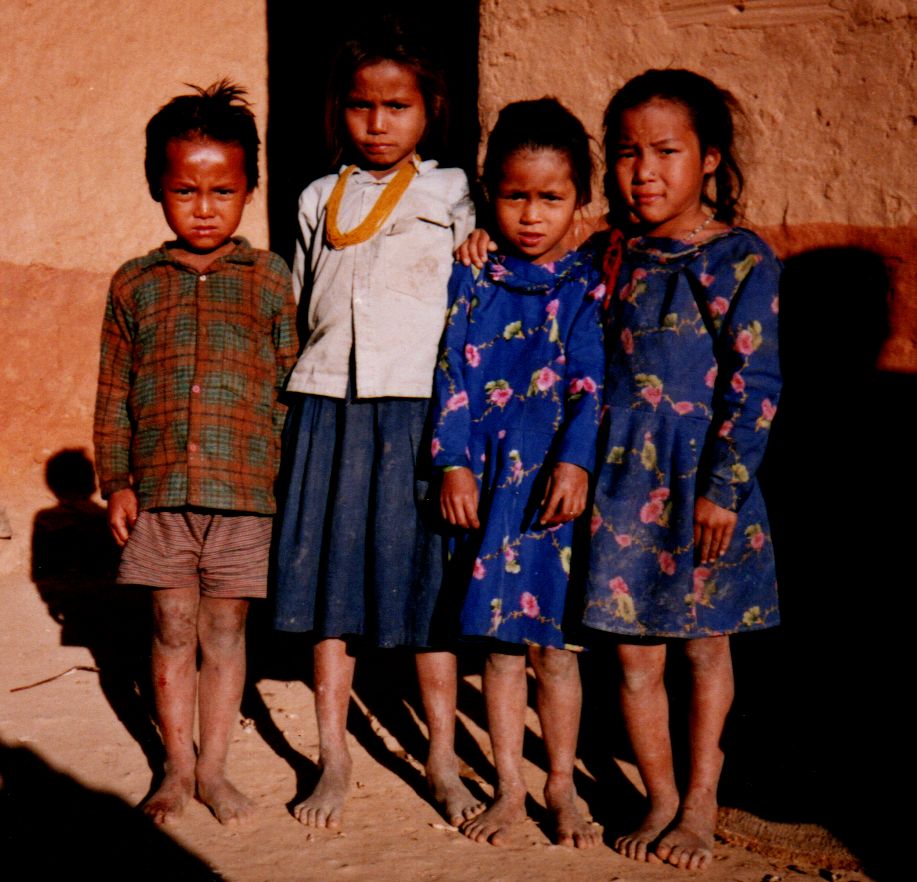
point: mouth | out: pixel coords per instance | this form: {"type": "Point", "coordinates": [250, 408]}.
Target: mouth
{"type": "Point", "coordinates": [530, 239]}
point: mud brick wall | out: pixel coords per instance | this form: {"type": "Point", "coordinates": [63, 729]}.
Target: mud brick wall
{"type": "Point", "coordinates": [828, 87]}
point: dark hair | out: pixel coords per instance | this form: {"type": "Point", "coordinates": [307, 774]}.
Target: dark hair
{"type": "Point", "coordinates": [218, 113]}
{"type": "Point", "coordinates": [544, 124]}
{"type": "Point", "coordinates": [384, 40]}
{"type": "Point", "coordinates": [711, 112]}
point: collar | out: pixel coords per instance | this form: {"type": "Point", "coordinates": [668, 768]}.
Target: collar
{"type": "Point", "coordinates": [242, 254]}
{"type": "Point", "coordinates": [423, 166]}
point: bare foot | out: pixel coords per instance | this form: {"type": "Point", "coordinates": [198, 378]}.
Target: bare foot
{"type": "Point", "coordinates": [571, 827]}
{"type": "Point", "coordinates": [636, 845]}
{"type": "Point", "coordinates": [228, 805]}
{"type": "Point", "coordinates": [452, 797]}
{"type": "Point", "coordinates": [169, 801]}
{"type": "Point", "coordinates": [494, 825]}
{"type": "Point", "coordinates": [689, 845]}
{"type": "Point", "coordinates": [325, 806]}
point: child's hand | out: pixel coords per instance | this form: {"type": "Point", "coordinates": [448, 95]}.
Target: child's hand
{"type": "Point", "coordinates": [122, 514]}
{"type": "Point", "coordinates": [474, 249]}
{"type": "Point", "coordinates": [565, 495]}
{"type": "Point", "coordinates": [713, 528]}
{"type": "Point", "coordinates": [458, 499]}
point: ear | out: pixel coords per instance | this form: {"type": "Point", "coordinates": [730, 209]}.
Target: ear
{"type": "Point", "coordinates": [249, 196]}
{"type": "Point", "coordinates": [711, 161]}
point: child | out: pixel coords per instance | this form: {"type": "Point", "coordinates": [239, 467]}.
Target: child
{"type": "Point", "coordinates": [681, 547]}
{"type": "Point", "coordinates": [358, 562]}
{"type": "Point", "coordinates": [197, 340]}
{"type": "Point", "coordinates": [517, 399]}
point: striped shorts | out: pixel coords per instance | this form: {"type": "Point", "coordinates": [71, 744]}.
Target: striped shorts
{"type": "Point", "coordinates": [221, 554]}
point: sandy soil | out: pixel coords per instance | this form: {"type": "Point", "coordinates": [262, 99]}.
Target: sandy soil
{"type": "Point", "coordinates": [79, 751]}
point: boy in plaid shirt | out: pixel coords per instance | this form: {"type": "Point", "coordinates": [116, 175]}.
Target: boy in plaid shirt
{"type": "Point", "coordinates": [197, 340]}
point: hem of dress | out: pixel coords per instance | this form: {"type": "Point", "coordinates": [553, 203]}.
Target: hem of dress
{"type": "Point", "coordinates": [681, 635]}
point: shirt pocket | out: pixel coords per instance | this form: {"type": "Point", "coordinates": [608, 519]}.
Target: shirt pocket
{"type": "Point", "coordinates": [244, 367]}
{"type": "Point", "coordinates": [418, 256]}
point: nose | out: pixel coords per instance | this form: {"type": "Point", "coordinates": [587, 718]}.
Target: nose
{"type": "Point", "coordinates": [203, 205]}
{"type": "Point", "coordinates": [644, 168]}
{"type": "Point", "coordinates": [375, 123]}
{"type": "Point", "coordinates": [530, 213]}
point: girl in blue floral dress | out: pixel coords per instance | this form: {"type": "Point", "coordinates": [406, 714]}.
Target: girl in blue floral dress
{"type": "Point", "coordinates": [517, 409]}
{"type": "Point", "coordinates": [681, 545]}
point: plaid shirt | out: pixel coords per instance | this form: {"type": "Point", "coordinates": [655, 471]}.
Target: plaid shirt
{"type": "Point", "coordinates": [187, 411]}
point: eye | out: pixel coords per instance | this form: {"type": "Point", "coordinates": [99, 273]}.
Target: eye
{"type": "Point", "coordinates": [357, 104]}
{"type": "Point", "coordinates": [397, 105]}
{"type": "Point", "coordinates": [625, 153]}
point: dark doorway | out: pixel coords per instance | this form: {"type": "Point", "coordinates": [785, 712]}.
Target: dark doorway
{"type": "Point", "coordinates": [302, 39]}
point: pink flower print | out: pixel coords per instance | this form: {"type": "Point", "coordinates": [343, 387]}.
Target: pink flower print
{"type": "Point", "coordinates": [757, 540]}
{"type": "Point", "coordinates": [561, 359]}
{"type": "Point", "coordinates": [651, 511]}
{"type": "Point", "coordinates": [666, 563]}
{"type": "Point", "coordinates": [745, 343]}
{"type": "Point", "coordinates": [500, 395]}
{"type": "Point", "coordinates": [738, 383]}
{"type": "Point", "coordinates": [682, 407]}
{"type": "Point", "coordinates": [652, 394]}
{"type": "Point", "coordinates": [627, 341]}
{"type": "Point", "coordinates": [501, 434]}
{"type": "Point", "coordinates": [435, 447]}
{"type": "Point", "coordinates": [775, 305]}
{"type": "Point", "coordinates": [549, 267]}
{"type": "Point", "coordinates": [660, 493]}
{"type": "Point", "coordinates": [701, 575]}
{"type": "Point", "coordinates": [710, 377]}
{"type": "Point", "coordinates": [576, 385]}
{"type": "Point", "coordinates": [472, 355]}
{"type": "Point", "coordinates": [459, 400]}
{"type": "Point", "coordinates": [768, 410]}
{"type": "Point", "coordinates": [595, 523]}
{"type": "Point", "coordinates": [479, 571]}
{"type": "Point", "coordinates": [623, 539]}
{"type": "Point", "coordinates": [516, 470]}
{"type": "Point", "coordinates": [589, 385]}
{"type": "Point", "coordinates": [707, 280]}
{"type": "Point", "coordinates": [719, 305]}
{"type": "Point", "coordinates": [510, 561]}
{"type": "Point", "coordinates": [551, 308]}
{"type": "Point", "coordinates": [529, 604]}
{"type": "Point", "coordinates": [725, 429]}
{"type": "Point", "coordinates": [542, 380]}
{"type": "Point", "coordinates": [598, 292]}
{"type": "Point", "coordinates": [497, 271]}
{"type": "Point", "coordinates": [618, 586]}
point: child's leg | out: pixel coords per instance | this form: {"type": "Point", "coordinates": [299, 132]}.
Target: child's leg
{"type": "Point", "coordinates": [505, 696]}
{"type": "Point", "coordinates": [559, 705]}
{"type": "Point", "coordinates": [645, 707]}
{"type": "Point", "coordinates": [333, 681]}
{"type": "Point", "coordinates": [221, 632]}
{"type": "Point", "coordinates": [438, 677]}
{"type": "Point", "coordinates": [174, 687]}
{"type": "Point", "coordinates": [689, 845]}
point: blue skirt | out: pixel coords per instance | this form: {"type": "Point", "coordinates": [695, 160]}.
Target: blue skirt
{"type": "Point", "coordinates": [359, 543]}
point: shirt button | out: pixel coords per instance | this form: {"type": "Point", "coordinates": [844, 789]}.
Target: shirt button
{"type": "Point", "coordinates": [357, 300]}
{"type": "Point", "coordinates": [195, 389]}
{"type": "Point", "coordinates": [192, 447]}
{"type": "Point", "coordinates": [202, 278]}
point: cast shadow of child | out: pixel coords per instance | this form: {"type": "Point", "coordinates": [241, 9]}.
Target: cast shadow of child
{"type": "Point", "coordinates": [74, 561]}
{"type": "Point", "coordinates": [806, 730]}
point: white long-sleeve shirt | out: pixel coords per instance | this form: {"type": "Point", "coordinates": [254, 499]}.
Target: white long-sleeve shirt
{"type": "Point", "coordinates": [385, 299]}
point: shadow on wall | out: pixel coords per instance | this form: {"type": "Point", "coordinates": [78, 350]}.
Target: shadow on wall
{"type": "Point", "coordinates": [97, 835]}
{"type": "Point", "coordinates": [74, 561]}
{"type": "Point", "coordinates": [809, 738]}
{"type": "Point", "coordinates": [302, 39]}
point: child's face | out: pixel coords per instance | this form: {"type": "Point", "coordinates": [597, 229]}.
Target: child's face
{"type": "Point", "coordinates": [204, 192]}
{"type": "Point", "coordinates": [535, 203]}
{"type": "Point", "coordinates": [660, 170]}
{"type": "Point", "coordinates": [385, 115]}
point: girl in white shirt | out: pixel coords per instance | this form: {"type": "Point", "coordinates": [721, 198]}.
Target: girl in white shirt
{"type": "Point", "coordinates": [359, 559]}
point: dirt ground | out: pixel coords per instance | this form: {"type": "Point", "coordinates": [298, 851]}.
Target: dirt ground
{"type": "Point", "coordinates": [79, 751]}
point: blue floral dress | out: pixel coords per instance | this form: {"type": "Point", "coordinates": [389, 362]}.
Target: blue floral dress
{"type": "Point", "coordinates": [691, 383]}
{"type": "Point", "coordinates": [517, 389]}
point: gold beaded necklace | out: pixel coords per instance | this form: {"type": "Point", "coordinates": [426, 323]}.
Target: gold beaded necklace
{"type": "Point", "coordinates": [378, 214]}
